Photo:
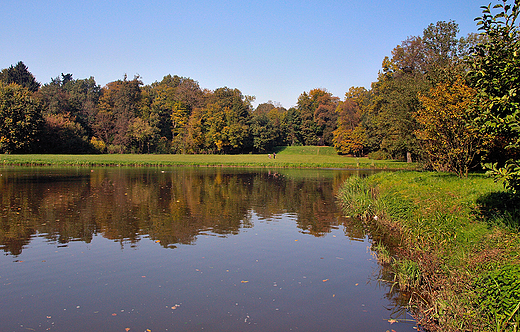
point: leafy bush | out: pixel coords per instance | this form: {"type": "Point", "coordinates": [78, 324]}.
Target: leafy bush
{"type": "Point", "coordinates": [499, 296]}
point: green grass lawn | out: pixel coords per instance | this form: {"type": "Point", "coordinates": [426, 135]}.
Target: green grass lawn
{"type": "Point", "coordinates": [312, 157]}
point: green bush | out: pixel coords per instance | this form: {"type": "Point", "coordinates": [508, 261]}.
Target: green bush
{"type": "Point", "coordinates": [499, 297]}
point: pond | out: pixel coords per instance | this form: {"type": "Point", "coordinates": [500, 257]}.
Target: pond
{"type": "Point", "coordinates": [186, 249]}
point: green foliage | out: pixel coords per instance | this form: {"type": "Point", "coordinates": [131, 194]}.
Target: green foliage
{"type": "Point", "coordinates": [379, 155]}
{"type": "Point", "coordinates": [499, 297]}
{"type": "Point", "coordinates": [382, 253]}
{"type": "Point", "coordinates": [496, 75]}
{"type": "Point", "coordinates": [20, 75]}
{"type": "Point", "coordinates": [509, 175]}
{"type": "Point", "coordinates": [20, 119]}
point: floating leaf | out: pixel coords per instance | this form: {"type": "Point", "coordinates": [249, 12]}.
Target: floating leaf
{"type": "Point", "coordinates": [391, 321]}
{"type": "Point", "coordinates": [244, 281]}
{"type": "Point", "coordinates": [325, 280]}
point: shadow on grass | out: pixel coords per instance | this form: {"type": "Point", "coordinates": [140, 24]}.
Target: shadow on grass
{"type": "Point", "coordinates": [500, 208]}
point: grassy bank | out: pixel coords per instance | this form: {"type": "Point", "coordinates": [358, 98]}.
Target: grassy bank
{"type": "Point", "coordinates": [452, 243]}
{"type": "Point", "coordinates": [311, 157]}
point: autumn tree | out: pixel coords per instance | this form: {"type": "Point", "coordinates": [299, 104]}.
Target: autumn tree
{"type": "Point", "coordinates": [228, 116]}
{"type": "Point", "coordinates": [118, 106]}
{"type": "Point", "coordinates": [142, 134]}
{"type": "Point", "coordinates": [63, 134]}
{"type": "Point", "coordinates": [172, 100]}
{"type": "Point", "coordinates": [69, 109]}
{"type": "Point", "coordinates": [318, 116]}
{"type": "Point", "coordinates": [448, 134]}
{"type": "Point", "coordinates": [417, 65]}
{"type": "Point", "coordinates": [350, 136]}
{"type": "Point", "coordinates": [496, 76]}
{"type": "Point", "coordinates": [20, 119]}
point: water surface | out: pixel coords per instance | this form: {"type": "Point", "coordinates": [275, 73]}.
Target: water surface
{"type": "Point", "coordinates": [185, 249]}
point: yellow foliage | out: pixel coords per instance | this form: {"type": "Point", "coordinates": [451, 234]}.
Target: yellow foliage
{"type": "Point", "coordinates": [448, 134]}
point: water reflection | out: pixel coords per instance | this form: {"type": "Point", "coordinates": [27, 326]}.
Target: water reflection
{"type": "Point", "coordinates": [273, 252]}
{"type": "Point", "coordinates": [171, 206]}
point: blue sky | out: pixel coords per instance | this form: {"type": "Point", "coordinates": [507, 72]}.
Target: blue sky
{"type": "Point", "coordinates": [273, 50]}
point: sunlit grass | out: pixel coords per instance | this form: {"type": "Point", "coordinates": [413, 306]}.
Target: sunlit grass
{"type": "Point", "coordinates": [452, 233]}
{"type": "Point", "coordinates": [289, 158]}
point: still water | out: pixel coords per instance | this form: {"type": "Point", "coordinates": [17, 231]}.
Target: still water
{"type": "Point", "coordinates": [186, 249]}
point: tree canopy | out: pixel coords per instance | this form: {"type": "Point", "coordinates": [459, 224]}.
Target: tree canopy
{"type": "Point", "coordinates": [431, 94]}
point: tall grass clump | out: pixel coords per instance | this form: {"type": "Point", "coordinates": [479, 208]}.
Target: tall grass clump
{"type": "Point", "coordinates": [382, 253]}
{"type": "Point", "coordinates": [357, 197]}
{"type": "Point", "coordinates": [407, 274]}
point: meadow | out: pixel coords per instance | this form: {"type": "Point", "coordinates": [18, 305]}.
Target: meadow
{"type": "Point", "coordinates": [286, 157]}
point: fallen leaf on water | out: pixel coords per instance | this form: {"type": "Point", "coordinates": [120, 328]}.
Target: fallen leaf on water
{"type": "Point", "coordinates": [127, 329]}
{"type": "Point", "coordinates": [143, 276]}
{"type": "Point", "coordinates": [295, 240]}
{"type": "Point", "coordinates": [356, 284]}
{"type": "Point", "coordinates": [391, 321]}
{"type": "Point", "coordinates": [324, 280]}
{"type": "Point", "coordinates": [244, 281]}
{"type": "Point", "coordinates": [157, 241]}
{"type": "Point", "coordinates": [333, 295]}
{"type": "Point", "coordinates": [114, 314]}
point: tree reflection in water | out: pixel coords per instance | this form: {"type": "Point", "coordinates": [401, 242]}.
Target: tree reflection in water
{"type": "Point", "coordinates": [171, 206]}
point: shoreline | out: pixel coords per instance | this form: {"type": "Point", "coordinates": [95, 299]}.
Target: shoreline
{"type": "Point", "coordinates": [440, 245]}
{"type": "Point", "coordinates": [247, 160]}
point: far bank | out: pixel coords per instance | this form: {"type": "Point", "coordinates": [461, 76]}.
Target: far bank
{"type": "Point", "coordinates": [290, 157]}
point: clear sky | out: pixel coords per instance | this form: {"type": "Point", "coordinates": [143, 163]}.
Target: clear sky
{"type": "Point", "coordinates": [273, 50]}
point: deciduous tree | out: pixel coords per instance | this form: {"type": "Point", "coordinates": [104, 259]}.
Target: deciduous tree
{"type": "Point", "coordinates": [20, 119]}
{"type": "Point", "coordinates": [448, 133]}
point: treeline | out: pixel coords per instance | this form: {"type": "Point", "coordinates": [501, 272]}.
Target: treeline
{"type": "Point", "coordinates": [449, 102]}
